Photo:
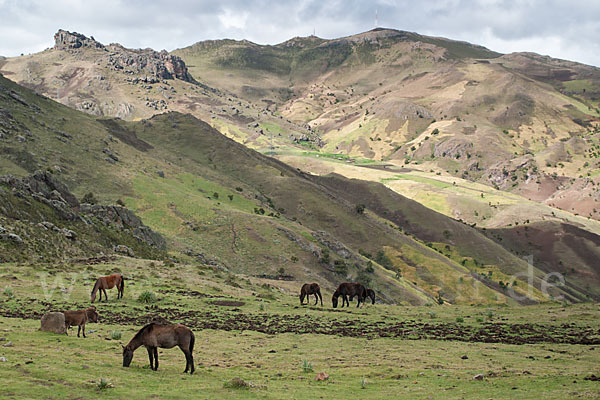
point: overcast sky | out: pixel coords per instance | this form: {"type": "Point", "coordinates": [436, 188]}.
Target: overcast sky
{"type": "Point", "coordinates": [568, 29]}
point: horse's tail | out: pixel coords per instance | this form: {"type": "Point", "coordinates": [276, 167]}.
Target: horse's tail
{"type": "Point", "coordinates": [95, 289]}
{"type": "Point", "coordinates": [122, 285]}
{"type": "Point", "coordinates": [192, 341]}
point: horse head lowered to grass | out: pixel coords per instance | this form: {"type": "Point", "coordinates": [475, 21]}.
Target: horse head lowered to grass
{"type": "Point", "coordinates": [349, 289]}
{"type": "Point", "coordinates": [165, 336]}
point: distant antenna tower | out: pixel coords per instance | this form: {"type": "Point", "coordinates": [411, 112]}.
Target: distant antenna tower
{"type": "Point", "coordinates": [376, 19]}
{"type": "Point", "coordinates": [314, 31]}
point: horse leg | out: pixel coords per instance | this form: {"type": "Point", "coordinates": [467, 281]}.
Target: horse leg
{"type": "Point", "coordinates": [301, 299]}
{"type": "Point", "coordinates": [105, 295]}
{"type": "Point", "coordinates": [316, 299]}
{"type": "Point", "coordinates": [151, 357]}
{"type": "Point", "coordinates": [79, 330]}
{"type": "Point", "coordinates": [82, 326]}
{"type": "Point", "coordinates": [320, 297]}
{"type": "Point", "coordinates": [156, 358]}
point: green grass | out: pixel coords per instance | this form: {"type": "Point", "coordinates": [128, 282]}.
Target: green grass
{"type": "Point", "coordinates": [281, 365]}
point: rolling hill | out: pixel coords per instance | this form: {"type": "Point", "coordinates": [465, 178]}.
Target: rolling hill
{"type": "Point", "coordinates": [218, 202]}
{"type": "Point", "coordinates": [437, 112]}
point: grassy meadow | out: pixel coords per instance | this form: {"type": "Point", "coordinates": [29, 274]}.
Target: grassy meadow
{"type": "Point", "coordinates": [255, 330]}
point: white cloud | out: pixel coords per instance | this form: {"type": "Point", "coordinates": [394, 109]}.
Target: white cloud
{"type": "Point", "coordinates": [568, 30]}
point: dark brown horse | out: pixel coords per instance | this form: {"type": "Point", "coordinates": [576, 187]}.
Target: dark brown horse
{"type": "Point", "coordinates": [307, 290]}
{"type": "Point", "coordinates": [349, 289]}
{"type": "Point", "coordinates": [370, 294]}
{"type": "Point", "coordinates": [79, 318]}
{"type": "Point", "coordinates": [109, 282]}
{"type": "Point", "coordinates": [167, 336]}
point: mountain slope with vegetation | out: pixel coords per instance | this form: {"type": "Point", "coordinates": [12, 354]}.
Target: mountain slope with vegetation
{"type": "Point", "coordinates": [218, 202]}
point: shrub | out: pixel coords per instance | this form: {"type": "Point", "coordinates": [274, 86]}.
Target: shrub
{"type": "Point", "coordinates": [115, 335]}
{"type": "Point", "coordinates": [230, 197]}
{"type": "Point", "coordinates": [215, 195]}
{"type": "Point", "coordinates": [363, 383]}
{"type": "Point", "coordinates": [147, 297]}
{"type": "Point", "coordinates": [8, 291]}
{"type": "Point", "coordinates": [324, 256]}
{"type": "Point", "coordinates": [121, 203]}
{"type": "Point", "coordinates": [89, 198]}
{"type": "Point", "coordinates": [360, 208]}
{"type": "Point", "coordinates": [236, 383]}
{"type": "Point", "coordinates": [104, 384]}
{"type": "Point", "coordinates": [383, 260]}
{"type": "Point", "coordinates": [460, 320]}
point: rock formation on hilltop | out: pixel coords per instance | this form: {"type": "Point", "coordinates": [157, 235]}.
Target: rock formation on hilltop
{"type": "Point", "coordinates": [73, 40]}
{"type": "Point", "coordinates": [160, 65]}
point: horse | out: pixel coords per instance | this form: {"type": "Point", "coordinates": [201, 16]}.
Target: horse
{"type": "Point", "coordinates": [370, 294]}
{"type": "Point", "coordinates": [165, 336]}
{"type": "Point", "coordinates": [307, 290]}
{"type": "Point", "coordinates": [349, 289]}
{"type": "Point", "coordinates": [79, 318]}
{"type": "Point", "coordinates": [109, 282]}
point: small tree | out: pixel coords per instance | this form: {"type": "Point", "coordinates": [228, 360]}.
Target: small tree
{"type": "Point", "coordinates": [360, 208]}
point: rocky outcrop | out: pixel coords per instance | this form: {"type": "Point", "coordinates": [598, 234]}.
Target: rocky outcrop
{"type": "Point", "coordinates": [73, 40]}
{"type": "Point", "coordinates": [121, 218]}
{"type": "Point", "coordinates": [155, 64]}
{"type": "Point", "coordinates": [44, 187]}
{"type": "Point", "coordinates": [161, 65]}
{"type": "Point", "coordinates": [54, 322]}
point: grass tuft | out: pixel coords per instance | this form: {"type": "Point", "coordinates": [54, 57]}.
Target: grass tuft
{"type": "Point", "coordinates": [147, 297]}
{"type": "Point", "coordinates": [307, 366]}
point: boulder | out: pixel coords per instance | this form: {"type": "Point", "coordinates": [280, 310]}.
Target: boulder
{"type": "Point", "coordinates": [121, 249]}
{"type": "Point", "coordinates": [54, 322]}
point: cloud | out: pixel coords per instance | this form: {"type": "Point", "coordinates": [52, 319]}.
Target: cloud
{"type": "Point", "coordinates": [560, 29]}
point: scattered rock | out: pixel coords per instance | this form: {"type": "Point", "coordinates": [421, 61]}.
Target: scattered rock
{"type": "Point", "coordinates": [53, 322]}
{"type": "Point", "coordinates": [3, 359]}
{"type": "Point", "coordinates": [592, 377]}
{"type": "Point", "coordinates": [322, 376]}
{"type": "Point", "coordinates": [160, 173]}
{"type": "Point", "coordinates": [13, 237]}
{"type": "Point", "coordinates": [465, 357]}
{"type": "Point", "coordinates": [122, 249]}
{"type": "Point", "coordinates": [8, 344]}
{"type": "Point", "coordinates": [85, 367]}
{"type": "Point", "coordinates": [2, 339]}
{"type": "Point", "coordinates": [69, 234]}
{"type": "Point", "coordinates": [478, 377]}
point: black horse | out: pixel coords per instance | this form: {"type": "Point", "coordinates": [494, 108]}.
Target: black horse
{"type": "Point", "coordinates": [370, 294]}
{"type": "Point", "coordinates": [307, 290]}
{"type": "Point", "coordinates": [349, 289]}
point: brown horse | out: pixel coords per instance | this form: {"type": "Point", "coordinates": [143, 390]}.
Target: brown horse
{"type": "Point", "coordinates": [307, 290]}
{"type": "Point", "coordinates": [109, 282]}
{"type": "Point", "coordinates": [370, 294]}
{"type": "Point", "coordinates": [79, 318]}
{"type": "Point", "coordinates": [165, 336]}
{"type": "Point", "coordinates": [349, 289]}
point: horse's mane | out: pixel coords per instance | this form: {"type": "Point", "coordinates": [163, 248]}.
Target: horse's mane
{"type": "Point", "coordinates": [96, 285]}
{"type": "Point", "coordinates": [143, 330]}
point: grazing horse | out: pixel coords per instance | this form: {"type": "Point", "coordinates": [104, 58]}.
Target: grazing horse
{"type": "Point", "coordinates": [79, 318]}
{"type": "Point", "coordinates": [109, 282]}
{"type": "Point", "coordinates": [167, 336]}
{"type": "Point", "coordinates": [307, 290]}
{"type": "Point", "coordinates": [349, 289]}
{"type": "Point", "coordinates": [370, 294]}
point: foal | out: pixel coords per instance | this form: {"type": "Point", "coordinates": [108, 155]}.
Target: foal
{"type": "Point", "coordinates": [79, 318]}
